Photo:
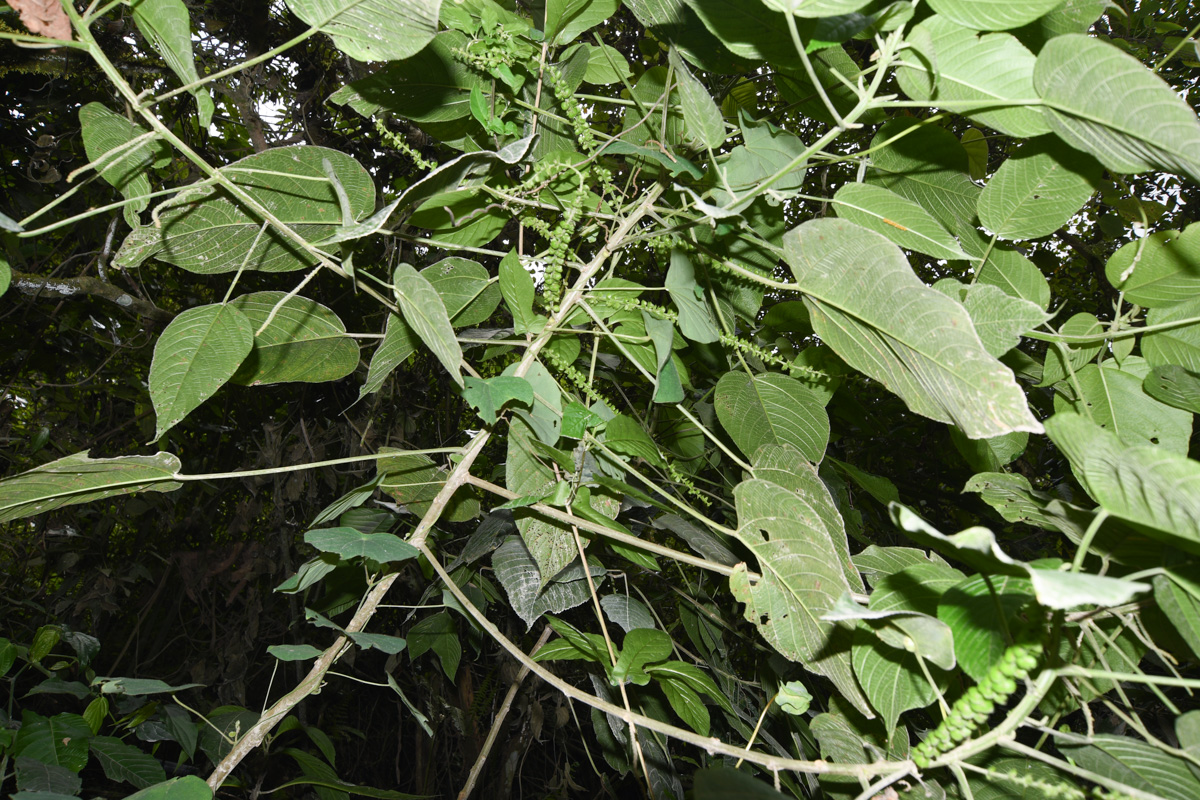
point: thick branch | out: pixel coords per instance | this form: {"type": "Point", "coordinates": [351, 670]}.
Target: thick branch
{"type": "Point", "coordinates": [41, 286]}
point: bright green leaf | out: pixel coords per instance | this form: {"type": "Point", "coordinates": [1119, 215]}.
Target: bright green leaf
{"type": "Point", "coordinates": [426, 314]}
{"type": "Point", "coordinates": [772, 409]}
{"type": "Point", "coordinates": [373, 30]}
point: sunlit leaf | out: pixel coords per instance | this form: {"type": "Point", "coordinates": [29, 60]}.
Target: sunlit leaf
{"type": "Point", "coordinates": [373, 30]}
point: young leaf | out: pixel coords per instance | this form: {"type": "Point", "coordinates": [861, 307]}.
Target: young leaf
{"type": "Point", "coordinates": [373, 30]}
{"type": "Point", "coordinates": [1105, 102]}
{"type": "Point", "coordinates": [305, 342]}
{"type": "Point", "coordinates": [642, 646]}
{"type": "Point", "coordinates": [168, 27]}
{"type": "Point", "coordinates": [686, 703]}
{"type": "Point", "coordinates": [1167, 271]}
{"type": "Point", "coordinates": [79, 479]}
{"type": "Point", "coordinates": [426, 314]}
{"type": "Point", "coordinates": [876, 314]}
{"type": "Point", "coordinates": [195, 356]}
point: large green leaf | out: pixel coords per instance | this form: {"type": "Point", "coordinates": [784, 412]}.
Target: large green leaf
{"type": "Point", "coordinates": [896, 217]}
{"type": "Point", "coordinates": [205, 230]}
{"type": "Point", "coordinates": [195, 356]}
{"type": "Point", "coordinates": [988, 78]}
{"type": "Point", "coordinates": [530, 596]}
{"type": "Point", "coordinates": [79, 479]}
{"type": "Point", "coordinates": [1179, 346]}
{"type": "Point", "coordinates": [1153, 489]}
{"type": "Point", "coordinates": [978, 548]}
{"type": "Point", "coordinates": [425, 312]}
{"type": "Point", "coordinates": [867, 304]}
{"type": "Point", "coordinates": [801, 580]}
{"type": "Point", "coordinates": [168, 27]}
{"type": "Point", "coordinates": [414, 480]}
{"type": "Point", "coordinates": [373, 30]}
{"type": "Point", "coordinates": [1137, 765]}
{"type": "Point", "coordinates": [749, 29]}
{"type": "Point", "coordinates": [61, 740]}
{"type": "Point", "coordinates": [190, 787]}
{"type": "Point", "coordinates": [125, 763]}
{"type": "Point", "coordinates": [469, 293]}
{"type": "Point", "coordinates": [675, 22]}
{"type": "Point", "coordinates": [1167, 271]}
{"type": "Point", "coordinates": [700, 114]}
{"type": "Point", "coordinates": [1174, 386]}
{"type": "Point", "coordinates": [566, 19]}
{"type": "Point", "coordinates": [104, 132]}
{"type": "Point", "coordinates": [431, 86]}
{"type": "Point", "coordinates": [695, 317]}
{"type": "Point", "coordinates": [999, 318]}
{"type": "Point", "coordinates": [816, 8]}
{"type": "Point", "coordinates": [772, 409]}
{"type": "Point", "coordinates": [399, 342]}
{"type": "Point", "coordinates": [929, 166]}
{"type": "Point", "coordinates": [1011, 272]}
{"type": "Point", "coordinates": [1114, 399]}
{"type": "Point", "coordinates": [973, 610]}
{"type": "Point", "coordinates": [992, 15]}
{"type": "Point", "coordinates": [1037, 190]}
{"type": "Point", "coordinates": [551, 544]}
{"type": "Point", "coordinates": [1105, 102]}
{"type": "Point", "coordinates": [305, 342]}
{"type": "Point", "coordinates": [350, 543]}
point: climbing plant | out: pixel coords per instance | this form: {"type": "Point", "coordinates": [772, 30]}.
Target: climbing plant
{"type": "Point", "coordinates": [815, 378]}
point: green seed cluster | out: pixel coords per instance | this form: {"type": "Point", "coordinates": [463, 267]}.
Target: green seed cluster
{"type": "Point", "coordinates": [556, 256]}
{"type": "Point", "coordinates": [562, 92]}
{"type": "Point", "coordinates": [688, 486]}
{"type": "Point", "coordinates": [636, 304]}
{"type": "Point", "coordinates": [397, 142]}
{"type": "Point", "coordinates": [575, 377]}
{"type": "Point", "coordinates": [972, 710]}
{"type": "Point", "coordinates": [536, 224]}
{"type": "Point", "coordinates": [1046, 789]}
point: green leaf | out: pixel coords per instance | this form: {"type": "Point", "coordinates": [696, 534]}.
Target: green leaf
{"type": "Point", "coordinates": [992, 15]}
{"type": "Point", "coordinates": [700, 113]}
{"type": "Point", "coordinates": [379, 641]}
{"type": "Point", "coordinates": [978, 618]}
{"type": "Point", "coordinates": [351, 543]}
{"type": "Point", "coordinates": [399, 342]}
{"type": "Point", "coordinates": [606, 65]}
{"type": "Point", "coordinates": [138, 687]}
{"type": "Point", "coordinates": [1174, 386]}
{"type": "Point", "coordinates": [546, 417]}
{"type": "Point", "coordinates": [439, 634]}
{"type": "Point", "coordinates": [1014, 274]}
{"type": "Point", "coordinates": [794, 698]}
{"type": "Point", "coordinates": [61, 740]}
{"type": "Point", "coordinates": [566, 19]}
{"type": "Point", "coordinates": [668, 388]}
{"type": "Point", "coordinates": [1181, 609]}
{"type": "Point", "coordinates": [867, 304]}
{"type": "Point", "coordinates": [999, 318]}
{"type": "Point", "coordinates": [948, 62]}
{"type": "Point", "coordinates": [801, 580]}
{"type": "Point", "coordinates": [491, 395]}
{"type": "Point", "coordinates": [104, 132]}
{"type": "Point", "coordinates": [976, 146]}
{"type": "Point", "coordinates": [373, 30]}
{"type": "Point", "coordinates": [772, 409]}
{"type": "Point", "coordinates": [625, 436]}
{"type": "Point", "coordinates": [1179, 346]}
{"type": "Point", "coordinates": [294, 652]}
{"type": "Point", "coordinates": [977, 547]}
{"type": "Point", "coordinates": [1113, 399]}
{"type": "Point", "coordinates": [431, 86]}
{"type": "Point", "coordinates": [1167, 271]}
{"type": "Point", "coordinates": [626, 611]}
{"type": "Point", "coordinates": [426, 314]}
{"type": "Point", "coordinates": [189, 787]}
{"type": "Point", "coordinates": [5, 275]}
{"type": "Point", "coordinates": [551, 544]}
{"type": "Point", "coordinates": [897, 218]}
{"type": "Point", "coordinates": [768, 150]}
{"type": "Point", "coordinates": [469, 294]}
{"type": "Point", "coordinates": [196, 355]}
{"type": "Point", "coordinates": [642, 646]}
{"type": "Point", "coordinates": [1155, 490]}
{"type": "Point", "coordinates": [1135, 764]}
{"type": "Point", "coordinates": [126, 763]}
{"type": "Point", "coordinates": [40, 781]}
{"type": "Point", "coordinates": [205, 230]}
{"type": "Point", "coordinates": [1037, 190]}
{"type": "Point", "coordinates": [167, 25]}
{"type": "Point", "coordinates": [673, 21]}
{"type": "Point", "coordinates": [686, 703]}
{"type": "Point", "coordinates": [695, 317]}
{"type": "Point", "coordinates": [927, 165]}
{"type": "Point", "coordinates": [891, 678]}
{"type": "Point", "coordinates": [1105, 102]}
{"type": "Point", "coordinates": [516, 286]}
{"type": "Point", "coordinates": [1014, 499]}
{"type": "Point", "coordinates": [79, 479]}
{"type": "Point", "coordinates": [305, 342]}
{"type": "Point", "coordinates": [414, 480]}
{"type": "Point", "coordinates": [786, 467]}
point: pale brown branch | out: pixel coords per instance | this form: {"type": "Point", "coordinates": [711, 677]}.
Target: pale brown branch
{"type": "Point", "coordinates": [56, 288]}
